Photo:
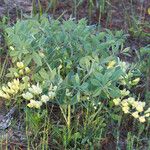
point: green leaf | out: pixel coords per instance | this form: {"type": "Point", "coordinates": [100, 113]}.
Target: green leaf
{"type": "Point", "coordinates": [84, 86]}
{"type": "Point", "coordinates": [44, 74]}
{"type": "Point", "coordinates": [114, 92]}
{"type": "Point", "coordinates": [76, 136]}
{"type": "Point", "coordinates": [37, 59]}
{"type": "Point", "coordinates": [77, 79]}
{"type": "Point", "coordinates": [97, 92]}
{"type": "Point", "coordinates": [52, 74]}
{"type": "Point", "coordinates": [115, 76]}
{"type": "Point", "coordinates": [115, 117]}
{"type": "Point", "coordinates": [95, 82]}
{"type": "Point", "coordinates": [27, 59]}
{"type": "Point", "coordinates": [85, 62]}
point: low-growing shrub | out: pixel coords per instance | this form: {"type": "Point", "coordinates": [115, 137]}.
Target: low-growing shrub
{"type": "Point", "coordinates": [77, 69]}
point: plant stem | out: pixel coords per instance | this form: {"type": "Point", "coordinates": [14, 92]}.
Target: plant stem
{"type": "Point", "coordinates": [69, 121]}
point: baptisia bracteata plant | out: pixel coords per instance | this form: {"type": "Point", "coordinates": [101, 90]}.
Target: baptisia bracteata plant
{"type": "Point", "coordinates": [77, 69]}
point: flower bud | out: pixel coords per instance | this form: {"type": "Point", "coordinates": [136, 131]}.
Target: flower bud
{"type": "Point", "coordinates": [12, 48]}
{"type": "Point", "coordinates": [27, 96]}
{"type": "Point", "coordinates": [142, 119]}
{"type": "Point", "coordinates": [135, 115]}
{"type": "Point", "coordinates": [44, 98]}
{"type": "Point", "coordinates": [16, 74]}
{"type": "Point", "coordinates": [20, 65]}
{"type": "Point", "coordinates": [111, 64]}
{"type": "Point", "coordinates": [27, 70]}
{"type": "Point", "coordinates": [21, 72]}
{"type": "Point", "coordinates": [135, 81]}
{"type": "Point", "coordinates": [117, 101]}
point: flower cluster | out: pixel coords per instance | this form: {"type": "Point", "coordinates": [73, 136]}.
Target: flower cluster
{"type": "Point", "coordinates": [14, 87]}
{"type": "Point", "coordinates": [128, 78]}
{"type": "Point", "coordinates": [21, 70]}
{"type": "Point", "coordinates": [52, 91]}
{"type": "Point", "coordinates": [17, 84]}
{"type": "Point", "coordinates": [10, 89]}
{"type": "Point", "coordinates": [133, 107]}
{"type": "Point", "coordinates": [124, 92]}
{"type": "Point", "coordinates": [35, 96]}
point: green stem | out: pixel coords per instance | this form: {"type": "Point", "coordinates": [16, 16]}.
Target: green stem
{"type": "Point", "coordinates": [86, 121]}
{"type": "Point", "coordinates": [69, 121]}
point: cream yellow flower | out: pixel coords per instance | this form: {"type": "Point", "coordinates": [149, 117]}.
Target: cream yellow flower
{"type": "Point", "coordinates": [131, 100]}
{"type": "Point", "coordinates": [111, 64]}
{"type": "Point", "coordinates": [35, 104]}
{"type": "Point", "coordinates": [51, 94]}
{"type": "Point", "coordinates": [125, 92]}
{"type": "Point", "coordinates": [38, 104]}
{"type": "Point", "coordinates": [8, 90]}
{"type": "Point", "coordinates": [123, 82]}
{"type": "Point", "coordinates": [41, 54]}
{"type": "Point", "coordinates": [148, 11]}
{"type": "Point", "coordinates": [16, 74]}
{"type": "Point", "coordinates": [1, 93]}
{"type": "Point", "coordinates": [134, 104]}
{"type": "Point", "coordinates": [142, 103]}
{"type": "Point", "coordinates": [52, 91]}
{"type": "Point", "coordinates": [30, 105]}
{"type": "Point", "coordinates": [124, 103]}
{"type": "Point", "coordinates": [5, 89]}
{"type": "Point", "coordinates": [147, 115]}
{"type": "Point", "coordinates": [25, 79]}
{"type": "Point", "coordinates": [20, 65]}
{"type": "Point", "coordinates": [142, 119]}
{"type": "Point", "coordinates": [4, 95]}
{"type": "Point", "coordinates": [125, 109]}
{"type": "Point", "coordinates": [16, 82]}
{"type": "Point", "coordinates": [9, 84]}
{"type": "Point", "coordinates": [27, 96]}
{"type": "Point", "coordinates": [15, 88]}
{"type": "Point", "coordinates": [11, 91]}
{"type": "Point", "coordinates": [35, 89]}
{"type": "Point", "coordinates": [44, 98]}
{"type": "Point", "coordinates": [140, 106]}
{"type": "Point", "coordinates": [21, 72]}
{"type": "Point", "coordinates": [117, 101]}
{"type": "Point", "coordinates": [135, 81]}
{"type": "Point", "coordinates": [135, 114]}
{"type": "Point", "coordinates": [27, 70]}
{"type": "Point", "coordinates": [123, 65]}
{"type": "Point", "coordinates": [12, 48]}
{"type": "Point", "coordinates": [12, 88]}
